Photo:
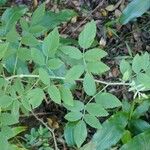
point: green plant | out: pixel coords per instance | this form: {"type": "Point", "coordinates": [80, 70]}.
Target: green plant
{"type": "Point", "coordinates": [37, 65]}
{"type": "Point", "coordinates": [38, 139]}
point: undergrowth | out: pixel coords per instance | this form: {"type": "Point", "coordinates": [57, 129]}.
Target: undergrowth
{"type": "Point", "coordinates": [37, 64]}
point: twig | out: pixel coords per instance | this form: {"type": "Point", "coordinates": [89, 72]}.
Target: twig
{"type": "Point", "coordinates": [51, 130]}
{"type": "Point", "coordinates": [81, 23]}
{"type": "Point", "coordinates": [63, 78]}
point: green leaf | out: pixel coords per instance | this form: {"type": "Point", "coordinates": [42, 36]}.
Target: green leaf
{"type": "Point", "coordinates": [74, 73]}
{"type": "Point", "coordinates": [54, 94]}
{"type": "Point", "coordinates": [29, 40]}
{"type": "Point", "coordinates": [37, 56]}
{"type": "Point", "coordinates": [5, 101]}
{"type": "Point", "coordinates": [35, 97]}
{"type": "Point", "coordinates": [26, 104]}
{"type": "Point", "coordinates": [107, 100]}
{"type": "Point", "coordinates": [37, 29]}
{"type": "Point", "coordinates": [3, 82]}
{"type": "Point", "coordinates": [111, 132]}
{"type": "Point", "coordinates": [12, 35]}
{"type": "Point", "coordinates": [69, 133]}
{"type": "Point", "coordinates": [38, 14]}
{"type": "Point", "coordinates": [138, 125]}
{"type": "Point", "coordinates": [80, 128]}
{"type": "Point", "coordinates": [89, 146]}
{"type": "Point", "coordinates": [54, 63]}
{"type": "Point", "coordinates": [44, 76]}
{"type": "Point", "coordinates": [141, 109]}
{"type": "Point", "coordinates": [3, 49]}
{"type": "Point", "coordinates": [137, 63]}
{"type": "Point", "coordinates": [94, 54]}
{"type": "Point", "coordinates": [8, 119]}
{"type": "Point", "coordinates": [125, 69]}
{"type": "Point", "coordinates": [52, 19]}
{"type": "Point", "coordinates": [66, 96]}
{"type": "Point", "coordinates": [89, 84]}
{"type": "Point", "coordinates": [144, 79]}
{"type": "Point", "coordinates": [15, 109]}
{"type": "Point", "coordinates": [134, 9]}
{"type": "Point", "coordinates": [146, 61]}
{"type": "Point", "coordinates": [86, 37]}
{"type": "Point", "coordinates": [7, 132]}
{"type": "Point", "coordinates": [72, 52]}
{"type": "Point", "coordinates": [77, 106]}
{"type": "Point", "coordinates": [4, 142]}
{"type": "Point", "coordinates": [12, 15]}
{"type": "Point", "coordinates": [97, 67]}
{"type": "Point", "coordinates": [126, 137]}
{"type": "Point", "coordinates": [139, 142]}
{"type": "Point", "coordinates": [24, 54]}
{"type": "Point", "coordinates": [92, 121]}
{"type": "Point", "coordinates": [51, 43]}
{"type": "Point", "coordinates": [73, 116]}
{"type": "Point", "coordinates": [11, 132]}
{"type": "Point", "coordinates": [17, 147]}
{"type": "Point", "coordinates": [96, 110]}
{"type": "Point", "coordinates": [126, 76]}
{"type": "Point", "coordinates": [18, 130]}
{"type": "Point", "coordinates": [140, 62]}
{"type": "Point", "coordinates": [24, 24]}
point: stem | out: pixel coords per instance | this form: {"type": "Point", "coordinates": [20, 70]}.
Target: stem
{"type": "Point", "coordinates": [84, 62]}
{"type": "Point", "coordinates": [51, 130]}
{"type": "Point", "coordinates": [97, 93]}
{"type": "Point", "coordinates": [134, 102]}
{"type": "Point", "coordinates": [92, 99]}
{"type": "Point", "coordinates": [15, 66]}
{"type": "Point", "coordinates": [16, 61]}
{"type": "Point", "coordinates": [131, 110]}
{"type": "Point", "coordinates": [63, 78]}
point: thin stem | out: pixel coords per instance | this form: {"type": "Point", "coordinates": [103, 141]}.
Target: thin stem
{"type": "Point", "coordinates": [84, 62]}
{"type": "Point", "coordinates": [92, 99]}
{"type": "Point", "coordinates": [15, 66]}
{"type": "Point", "coordinates": [132, 109]}
{"type": "Point", "coordinates": [98, 93]}
{"type": "Point", "coordinates": [16, 61]}
{"type": "Point", "coordinates": [51, 130]}
{"type": "Point", "coordinates": [63, 78]}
